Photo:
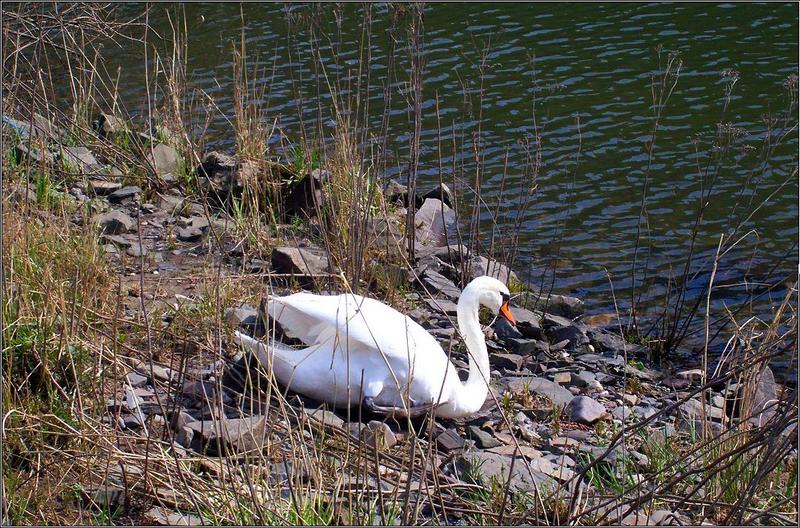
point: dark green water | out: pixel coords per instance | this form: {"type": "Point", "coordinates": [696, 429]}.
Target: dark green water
{"type": "Point", "coordinates": [578, 74]}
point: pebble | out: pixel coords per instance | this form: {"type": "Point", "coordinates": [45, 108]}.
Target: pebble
{"type": "Point", "coordinates": [585, 410]}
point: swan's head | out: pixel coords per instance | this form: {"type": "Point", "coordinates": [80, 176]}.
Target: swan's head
{"type": "Point", "coordinates": [492, 294]}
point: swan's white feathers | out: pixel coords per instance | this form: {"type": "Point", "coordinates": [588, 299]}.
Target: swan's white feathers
{"type": "Point", "coordinates": [356, 347]}
{"type": "Point", "coordinates": [352, 321]}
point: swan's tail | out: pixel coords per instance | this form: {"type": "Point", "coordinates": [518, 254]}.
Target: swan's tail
{"type": "Point", "coordinates": [276, 357]}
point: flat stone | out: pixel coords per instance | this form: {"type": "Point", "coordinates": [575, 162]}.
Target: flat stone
{"type": "Point", "coordinates": [501, 468]}
{"type": "Point", "coordinates": [528, 347]}
{"type": "Point", "coordinates": [529, 323]}
{"type": "Point", "coordinates": [544, 387]}
{"type": "Point", "coordinates": [480, 265]}
{"type": "Point", "coordinates": [239, 434]}
{"type": "Point", "coordinates": [630, 398]}
{"type": "Point", "coordinates": [108, 124]}
{"type": "Point", "coordinates": [298, 261]}
{"type": "Point", "coordinates": [483, 439]}
{"type": "Point", "coordinates": [103, 187]}
{"type": "Point", "coordinates": [691, 375]}
{"type": "Point", "coordinates": [115, 222]}
{"type": "Point", "coordinates": [326, 417]}
{"type": "Point", "coordinates": [764, 397]}
{"type": "Point", "coordinates": [676, 383]}
{"type": "Point", "coordinates": [165, 159]}
{"type": "Point", "coordinates": [569, 307]}
{"type": "Point", "coordinates": [668, 518]}
{"type": "Point", "coordinates": [125, 193]}
{"type": "Point", "coordinates": [434, 221]}
{"type": "Point", "coordinates": [562, 378]}
{"type": "Point", "coordinates": [606, 342]}
{"type": "Point", "coordinates": [136, 380]}
{"type": "Point", "coordinates": [244, 315]}
{"type": "Point", "coordinates": [505, 331]}
{"type": "Point", "coordinates": [438, 283]}
{"type": "Point", "coordinates": [449, 441]}
{"type": "Point", "coordinates": [443, 306]}
{"type": "Point", "coordinates": [507, 361]}
{"type": "Point", "coordinates": [694, 409]}
{"type": "Point", "coordinates": [585, 410]}
{"type": "Point", "coordinates": [163, 517]}
{"type": "Point", "coordinates": [136, 250]}
{"type": "Point", "coordinates": [189, 234]}
{"type": "Point", "coordinates": [621, 412]}
{"type": "Point", "coordinates": [80, 158]}
{"type": "Point", "coordinates": [571, 333]}
{"type": "Point", "coordinates": [644, 411]}
{"type": "Point", "coordinates": [378, 433]}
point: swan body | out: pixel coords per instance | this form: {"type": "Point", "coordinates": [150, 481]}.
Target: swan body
{"type": "Point", "coordinates": [359, 350]}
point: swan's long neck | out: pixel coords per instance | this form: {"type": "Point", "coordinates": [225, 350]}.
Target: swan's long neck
{"type": "Point", "coordinates": [471, 394]}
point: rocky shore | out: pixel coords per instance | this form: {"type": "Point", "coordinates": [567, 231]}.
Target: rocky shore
{"type": "Point", "coordinates": [571, 405]}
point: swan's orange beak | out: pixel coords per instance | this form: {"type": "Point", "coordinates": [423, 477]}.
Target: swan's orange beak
{"type": "Point", "coordinates": [505, 311]}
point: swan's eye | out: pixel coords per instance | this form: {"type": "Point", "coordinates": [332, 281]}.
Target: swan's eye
{"type": "Point", "coordinates": [506, 297]}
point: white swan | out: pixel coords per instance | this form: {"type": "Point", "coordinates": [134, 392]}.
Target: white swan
{"type": "Point", "coordinates": [360, 351]}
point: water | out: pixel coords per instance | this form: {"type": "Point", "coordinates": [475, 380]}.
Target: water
{"type": "Point", "coordinates": [582, 74]}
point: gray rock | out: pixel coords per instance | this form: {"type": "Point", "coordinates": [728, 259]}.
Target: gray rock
{"type": "Point", "coordinates": [238, 434]}
{"type": "Point", "coordinates": [378, 433]}
{"type": "Point", "coordinates": [163, 517]}
{"type": "Point", "coordinates": [528, 323]}
{"type": "Point", "coordinates": [585, 410]}
{"type": "Point", "coordinates": [606, 342]}
{"type": "Point", "coordinates": [440, 192]}
{"type": "Point", "coordinates": [525, 427]}
{"type": "Point", "coordinates": [694, 409]}
{"type": "Point", "coordinates": [764, 397]}
{"type": "Point", "coordinates": [184, 435]}
{"type": "Point", "coordinates": [676, 383]}
{"type": "Point", "coordinates": [108, 125]}
{"type": "Point", "coordinates": [644, 411]}
{"type": "Point", "coordinates": [326, 417]}
{"type": "Point", "coordinates": [668, 518]}
{"type": "Point", "coordinates": [543, 387]}
{"type": "Point", "coordinates": [438, 283]}
{"type": "Point", "coordinates": [434, 222]}
{"type": "Point", "coordinates": [569, 307]}
{"type": "Point", "coordinates": [189, 234]}
{"type": "Point", "coordinates": [487, 465]}
{"type": "Point", "coordinates": [508, 361]}
{"type": "Point", "coordinates": [244, 315]}
{"type": "Point", "coordinates": [528, 347]}
{"type": "Point", "coordinates": [621, 412]}
{"type": "Point", "coordinates": [80, 158]}
{"type": "Point", "coordinates": [443, 306]}
{"type": "Point", "coordinates": [298, 261]}
{"type": "Point", "coordinates": [136, 250]}
{"type": "Point", "coordinates": [449, 441]}
{"type": "Point", "coordinates": [135, 380]}
{"type": "Point", "coordinates": [483, 439]}
{"type": "Point", "coordinates": [552, 320]}
{"type": "Point", "coordinates": [115, 222]}
{"type": "Point", "coordinates": [125, 193]}
{"type": "Point", "coordinates": [171, 203]}
{"type": "Point", "coordinates": [691, 375]}
{"type": "Point", "coordinates": [562, 378]}
{"type": "Point", "coordinates": [570, 333]}
{"type": "Point", "coordinates": [480, 265]}
{"type": "Point", "coordinates": [505, 331]}
{"type": "Point", "coordinates": [588, 380]}
{"type": "Point", "coordinates": [165, 160]}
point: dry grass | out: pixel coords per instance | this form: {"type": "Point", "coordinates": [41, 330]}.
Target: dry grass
{"type": "Point", "coordinates": [68, 344]}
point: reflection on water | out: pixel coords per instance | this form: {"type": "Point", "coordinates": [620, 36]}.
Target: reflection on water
{"type": "Point", "coordinates": [580, 75]}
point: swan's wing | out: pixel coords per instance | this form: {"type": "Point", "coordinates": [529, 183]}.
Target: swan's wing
{"type": "Point", "coordinates": [352, 320]}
